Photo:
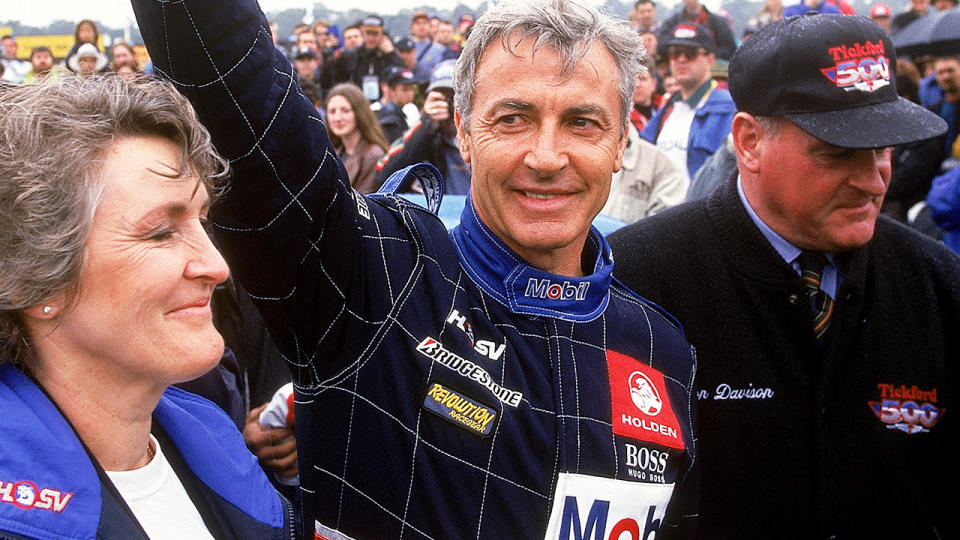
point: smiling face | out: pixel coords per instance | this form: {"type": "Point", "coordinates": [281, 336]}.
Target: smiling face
{"type": "Point", "coordinates": [827, 200]}
{"type": "Point", "coordinates": [340, 116]}
{"type": "Point", "coordinates": [142, 311]}
{"type": "Point", "coordinates": [542, 149]}
{"type": "Point", "coordinates": [122, 55]}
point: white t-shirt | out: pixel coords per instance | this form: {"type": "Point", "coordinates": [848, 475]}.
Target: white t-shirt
{"type": "Point", "coordinates": [675, 135]}
{"type": "Point", "coordinates": [158, 500]}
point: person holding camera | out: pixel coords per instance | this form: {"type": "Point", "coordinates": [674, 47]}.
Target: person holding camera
{"type": "Point", "coordinates": [433, 139]}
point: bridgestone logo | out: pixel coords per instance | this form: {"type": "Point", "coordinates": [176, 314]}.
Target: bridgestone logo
{"type": "Point", "coordinates": [434, 350]}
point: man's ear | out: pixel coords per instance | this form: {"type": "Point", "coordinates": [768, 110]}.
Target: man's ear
{"type": "Point", "coordinates": [747, 135]}
{"type": "Point", "coordinates": [622, 147]}
{"type": "Point", "coordinates": [462, 143]}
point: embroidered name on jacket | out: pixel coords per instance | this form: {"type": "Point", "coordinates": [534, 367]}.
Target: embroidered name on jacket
{"type": "Point", "coordinates": [26, 495]}
{"type": "Point", "coordinates": [435, 350]}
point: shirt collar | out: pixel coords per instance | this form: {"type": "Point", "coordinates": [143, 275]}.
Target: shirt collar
{"type": "Point", "coordinates": [787, 250]}
{"type": "Point", "coordinates": [499, 271]}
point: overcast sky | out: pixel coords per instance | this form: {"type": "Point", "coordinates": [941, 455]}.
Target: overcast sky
{"type": "Point", "coordinates": [117, 13]}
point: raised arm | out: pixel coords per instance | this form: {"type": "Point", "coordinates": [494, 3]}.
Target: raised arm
{"type": "Point", "coordinates": [289, 225]}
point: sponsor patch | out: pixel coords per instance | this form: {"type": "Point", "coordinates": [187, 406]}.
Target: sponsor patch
{"type": "Point", "coordinates": [908, 409]}
{"type": "Point", "coordinates": [646, 464]}
{"type": "Point", "coordinates": [590, 507]}
{"type": "Point", "coordinates": [483, 347]}
{"type": "Point", "coordinates": [546, 289]}
{"type": "Point", "coordinates": [640, 406]}
{"type": "Point", "coordinates": [862, 66]}
{"type": "Point", "coordinates": [433, 349]}
{"type": "Point", "coordinates": [460, 410]}
{"type": "Point", "coordinates": [27, 496]}
{"type": "Point", "coordinates": [362, 207]}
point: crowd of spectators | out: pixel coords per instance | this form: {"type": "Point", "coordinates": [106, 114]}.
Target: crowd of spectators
{"type": "Point", "coordinates": [388, 103]}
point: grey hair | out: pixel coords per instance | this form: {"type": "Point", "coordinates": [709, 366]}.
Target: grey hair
{"type": "Point", "coordinates": [770, 125]}
{"type": "Point", "coordinates": [53, 141]}
{"type": "Point", "coordinates": [567, 26]}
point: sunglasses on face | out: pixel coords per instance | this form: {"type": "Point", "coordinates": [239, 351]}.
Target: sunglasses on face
{"type": "Point", "coordinates": [690, 53]}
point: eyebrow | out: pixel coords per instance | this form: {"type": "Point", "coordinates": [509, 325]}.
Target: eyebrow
{"type": "Point", "coordinates": [577, 110]}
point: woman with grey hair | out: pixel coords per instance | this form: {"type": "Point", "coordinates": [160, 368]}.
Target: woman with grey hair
{"type": "Point", "coordinates": [106, 276]}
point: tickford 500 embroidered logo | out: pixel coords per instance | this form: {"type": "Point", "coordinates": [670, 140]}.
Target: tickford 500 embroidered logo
{"type": "Point", "coordinates": [909, 409]}
{"type": "Point", "coordinates": [435, 350]}
{"type": "Point", "coordinates": [26, 495]}
{"type": "Point", "coordinates": [861, 66]}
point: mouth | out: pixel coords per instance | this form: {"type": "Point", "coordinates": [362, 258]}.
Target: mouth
{"type": "Point", "coordinates": [197, 308]}
{"type": "Point", "coordinates": [539, 196]}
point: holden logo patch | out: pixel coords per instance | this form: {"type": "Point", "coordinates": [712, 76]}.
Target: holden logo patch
{"type": "Point", "coordinates": [644, 394]}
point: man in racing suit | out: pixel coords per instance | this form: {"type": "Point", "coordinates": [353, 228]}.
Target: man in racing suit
{"type": "Point", "coordinates": [493, 382]}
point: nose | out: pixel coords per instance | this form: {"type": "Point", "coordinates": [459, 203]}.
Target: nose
{"type": "Point", "coordinates": [206, 263]}
{"type": "Point", "coordinates": [547, 157]}
{"type": "Point", "coordinates": [873, 171]}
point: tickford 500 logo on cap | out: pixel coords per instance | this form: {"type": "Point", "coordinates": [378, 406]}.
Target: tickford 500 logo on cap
{"type": "Point", "coordinates": [862, 66]}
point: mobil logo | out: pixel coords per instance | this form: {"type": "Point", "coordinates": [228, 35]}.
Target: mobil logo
{"type": "Point", "coordinates": [551, 290]}
{"type": "Point", "coordinates": [594, 508]}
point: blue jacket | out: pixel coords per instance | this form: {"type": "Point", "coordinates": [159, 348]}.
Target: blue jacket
{"type": "Point", "coordinates": [711, 123]}
{"type": "Point", "coordinates": [50, 488]}
{"type": "Point", "coordinates": [797, 10]}
{"type": "Point", "coordinates": [944, 202]}
{"type": "Point", "coordinates": [444, 388]}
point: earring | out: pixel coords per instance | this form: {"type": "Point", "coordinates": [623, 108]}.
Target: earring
{"type": "Point", "coordinates": [47, 310]}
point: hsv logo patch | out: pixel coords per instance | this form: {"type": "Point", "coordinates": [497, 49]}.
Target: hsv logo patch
{"type": "Point", "coordinates": [911, 410]}
{"type": "Point", "coordinates": [460, 410]}
{"type": "Point", "coordinates": [26, 495]}
{"type": "Point", "coordinates": [862, 66]}
{"type": "Point", "coordinates": [641, 408]}
{"type": "Point", "coordinates": [593, 508]}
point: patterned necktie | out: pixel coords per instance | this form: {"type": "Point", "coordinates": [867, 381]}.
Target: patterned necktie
{"type": "Point", "coordinates": [821, 305]}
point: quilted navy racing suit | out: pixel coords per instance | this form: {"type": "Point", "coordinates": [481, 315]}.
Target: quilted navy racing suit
{"type": "Point", "coordinates": [444, 388]}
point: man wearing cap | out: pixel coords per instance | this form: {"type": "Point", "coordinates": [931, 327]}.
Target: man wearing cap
{"type": "Point", "coordinates": [428, 52]}
{"type": "Point", "coordinates": [491, 381]}
{"type": "Point", "coordinates": [692, 12]}
{"type": "Point", "coordinates": [433, 139]}
{"type": "Point", "coordinates": [692, 124]}
{"type": "Point", "coordinates": [826, 336]}
{"type": "Point", "coordinates": [366, 65]}
{"type": "Point", "coordinates": [880, 14]}
{"type": "Point", "coordinates": [398, 90]}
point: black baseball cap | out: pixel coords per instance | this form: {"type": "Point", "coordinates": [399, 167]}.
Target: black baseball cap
{"type": "Point", "coordinates": [372, 20]}
{"type": "Point", "coordinates": [834, 76]}
{"type": "Point", "coordinates": [404, 44]}
{"type": "Point", "coordinates": [691, 35]}
{"type": "Point", "coordinates": [397, 75]}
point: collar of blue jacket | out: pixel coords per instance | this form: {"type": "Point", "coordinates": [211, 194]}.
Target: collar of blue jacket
{"type": "Point", "coordinates": [525, 289]}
